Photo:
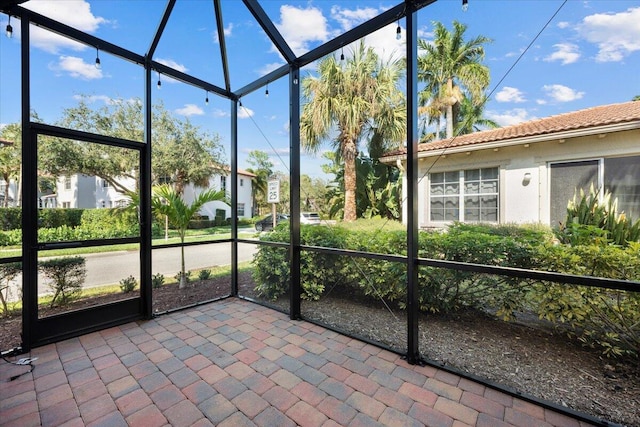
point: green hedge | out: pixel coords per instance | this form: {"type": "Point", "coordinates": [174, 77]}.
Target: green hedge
{"type": "Point", "coordinates": [599, 317]}
{"type": "Point", "coordinates": [10, 219]}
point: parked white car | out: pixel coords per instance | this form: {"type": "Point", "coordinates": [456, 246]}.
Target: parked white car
{"type": "Point", "coordinates": [312, 218]}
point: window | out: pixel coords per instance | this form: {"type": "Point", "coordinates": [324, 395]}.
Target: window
{"type": "Point", "coordinates": [66, 205]}
{"type": "Point", "coordinates": [241, 182]}
{"type": "Point", "coordinates": [622, 179]}
{"type": "Point", "coordinates": [240, 209]}
{"type": "Point", "coordinates": [618, 175]}
{"type": "Point", "coordinates": [105, 184]}
{"type": "Point", "coordinates": [67, 183]}
{"type": "Point", "coordinates": [469, 195]}
{"type": "Point", "coordinates": [223, 183]}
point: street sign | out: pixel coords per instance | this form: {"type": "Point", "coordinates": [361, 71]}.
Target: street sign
{"type": "Point", "coordinates": [273, 191]}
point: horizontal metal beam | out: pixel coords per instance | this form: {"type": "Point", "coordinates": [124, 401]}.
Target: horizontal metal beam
{"type": "Point", "coordinates": [186, 78]}
{"type": "Point", "coordinates": [60, 132]}
{"type": "Point", "coordinates": [262, 81]}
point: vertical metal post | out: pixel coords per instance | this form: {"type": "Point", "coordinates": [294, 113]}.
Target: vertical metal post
{"type": "Point", "coordinates": [413, 353]}
{"type": "Point", "coordinates": [294, 197]}
{"type": "Point", "coordinates": [29, 198]}
{"type": "Point", "coordinates": [145, 200]}
{"type": "Point", "coordinates": [234, 197]}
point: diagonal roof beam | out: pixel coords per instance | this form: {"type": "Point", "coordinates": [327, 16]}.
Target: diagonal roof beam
{"type": "Point", "coordinates": [158, 33]}
{"type": "Point", "coordinates": [77, 35]}
{"type": "Point", "coordinates": [223, 46]}
{"type": "Point", "coordinates": [268, 27]}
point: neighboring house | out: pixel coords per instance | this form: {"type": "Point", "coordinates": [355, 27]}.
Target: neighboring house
{"type": "Point", "coordinates": [83, 191]}
{"type": "Point", "coordinates": [88, 192]}
{"type": "Point", "coordinates": [528, 172]}
{"type": "Point", "coordinates": [222, 181]}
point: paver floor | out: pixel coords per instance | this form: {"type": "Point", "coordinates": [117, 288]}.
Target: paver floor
{"type": "Point", "coordinates": [235, 363]}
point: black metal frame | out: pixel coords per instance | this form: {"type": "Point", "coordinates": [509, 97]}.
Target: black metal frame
{"type": "Point", "coordinates": [406, 8]}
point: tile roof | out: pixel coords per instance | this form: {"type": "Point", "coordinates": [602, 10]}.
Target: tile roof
{"type": "Point", "coordinates": [594, 117]}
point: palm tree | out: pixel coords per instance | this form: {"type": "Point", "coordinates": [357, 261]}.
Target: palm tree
{"type": "Point", "coordinates": [167, 201]}
{"type": "Point", "coordinates": [348, 101]}
{"type": "Point", "coordinates": [452, 68]}
{"type": "Point", "coordinates": [470, 117]}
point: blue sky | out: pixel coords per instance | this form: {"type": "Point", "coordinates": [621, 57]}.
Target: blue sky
{"type": "Point", "coordinates": [588, 55]}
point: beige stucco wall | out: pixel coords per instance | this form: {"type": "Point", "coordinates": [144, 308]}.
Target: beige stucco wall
{"type": "Point", "coordinates": [520, 203]}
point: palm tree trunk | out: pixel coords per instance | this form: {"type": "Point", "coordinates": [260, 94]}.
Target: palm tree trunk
{"type": "Point", "coordinates": [450, 102]}
{"type": "Point", "coordinates": [183, 275]}
{"type": "Point", "coordinates": [349, 155]}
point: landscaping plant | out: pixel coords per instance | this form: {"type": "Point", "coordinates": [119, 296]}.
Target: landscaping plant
{"type": "Point", "coordinates": [8, 272]}
{"type": "Point", "coordinates": [66, 277]}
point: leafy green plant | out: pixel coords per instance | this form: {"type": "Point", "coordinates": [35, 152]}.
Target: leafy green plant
{"type": "Point", "coordinates": [157, 280]}
{"type": "Point", "coordinates": [8, 272]}
{"type": "Point", "coordinates": [128, 284]}
{"type": "Point", "coordinates": [204, 274]}
{"type": "Point", "coordinates": [595, 218]}
{"type": "Point", "coordinates": [66, 277]}
{"type": "Point", "coordinates": [183, 277]}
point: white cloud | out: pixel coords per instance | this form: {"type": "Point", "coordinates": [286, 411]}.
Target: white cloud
{"type": "Point", "coordinates": [563, 24]}
{"type": "Point", "coordinates": [75, 13]}
{"type": "Point", "coordinates": [616, 34]}
{"type": "Point", "coordinates": [245, 113]}
{"type": "Point", "coordinates": [267, 68]}
{"type": "Point", "coordinates": [173, 64]}
{"type": "Point", "coordinates": [77, 68]}
{"type": "Point", "coordinates": [220, 113]}
{"type": "Point", "coordinates": [561, 93]}
{"type": "Point", "coordinates": [228, 29]}
{"type": "Point", "coordinates": [510, 94]}
{"type": "Point", "coordinates": [510, 117]}
{"type": "Point", "coordinates": [566, 53]}
{"type": "Point", "coordinates": [349, 18]}
{"type": "Point", "coordinates": [301, 26]}
{"type": "Point", "coordinates": [94, 98]}
{"type": "Point", "coordinates": [385, 44]}
{"type": "Point", "coordinates": [190, 110]}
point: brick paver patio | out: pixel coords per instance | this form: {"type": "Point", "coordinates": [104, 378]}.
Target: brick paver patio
{"type": "Point", "coordinates": [235, 363]}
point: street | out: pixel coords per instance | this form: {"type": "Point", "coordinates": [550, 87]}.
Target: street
{"type": "Point", "coordinates": [111, 267]}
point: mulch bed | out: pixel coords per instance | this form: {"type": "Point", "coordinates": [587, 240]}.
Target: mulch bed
{"type": "Point", "coordinates": [528, 357]}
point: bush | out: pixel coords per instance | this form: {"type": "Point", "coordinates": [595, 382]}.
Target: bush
{"type": "Point", "coordinates": [601, 318]}
{"type": "Point", "coordinates": [597, 218]}
{"type": "Point", "coordinates": [58, 217]}
{"type": "Point", "coordinates": [157, 280]}
{"type": "Point", "coordinates": [10, 219]}
{"type": "Point", "coordinates": [128, 284]}
{"type": "Point", "coordinates": [204, 274]}
{"type": "Point", "coordinates": [187, 276]}
{"type": "Point", "coordinates": [67, 276]}
{"type": "Point", "coordinates": [8, 272]}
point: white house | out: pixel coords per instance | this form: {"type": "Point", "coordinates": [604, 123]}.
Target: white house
{"type": "Point", "coordinates": [84, 191]}
{"type": "Point", "coordinates": [528, 172]}
{"type": "Point", "coordinates": [222, 181]}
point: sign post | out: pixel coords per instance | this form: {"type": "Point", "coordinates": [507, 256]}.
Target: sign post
{"type": "Point", "coordinates": [273, 197]}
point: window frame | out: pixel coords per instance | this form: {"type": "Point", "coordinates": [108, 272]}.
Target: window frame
{"type": "Point", "coordinates": [461, 195]}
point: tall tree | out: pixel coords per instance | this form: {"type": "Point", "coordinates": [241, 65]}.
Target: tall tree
{"type": "Point", "coordinates": [452, 68]}
{"type": "Point", "coordinates": [10, 158]}
{"type": "Point", "coordinates": [348, 101]}
{"type": "Point", "coordinates": [262, 168]}
{"type": "Point", "coordinates": [182, 153]}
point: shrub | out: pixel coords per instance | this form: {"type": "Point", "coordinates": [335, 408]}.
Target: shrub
{"type": "Point", "coordinates": [204, 274]}
{"type": "Point", "coordinates": [58, 217]}
{"type": "Point", "coordinates": [128, 284]}
{"type": "Point", "coordinates": [596, 217]}
{"type": "Point", "coordinates": [602, 318]}
{"type": "Point", "coordinates": [8, 272]}
{"type": "Point", "coordinates": [157, 280]}
{"type": "Point", "coordinates": [67, 276]}
{"type": "Point", "coordinates": [10, 218]}
{"type": "Point", "coordinates": [187, 276]}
